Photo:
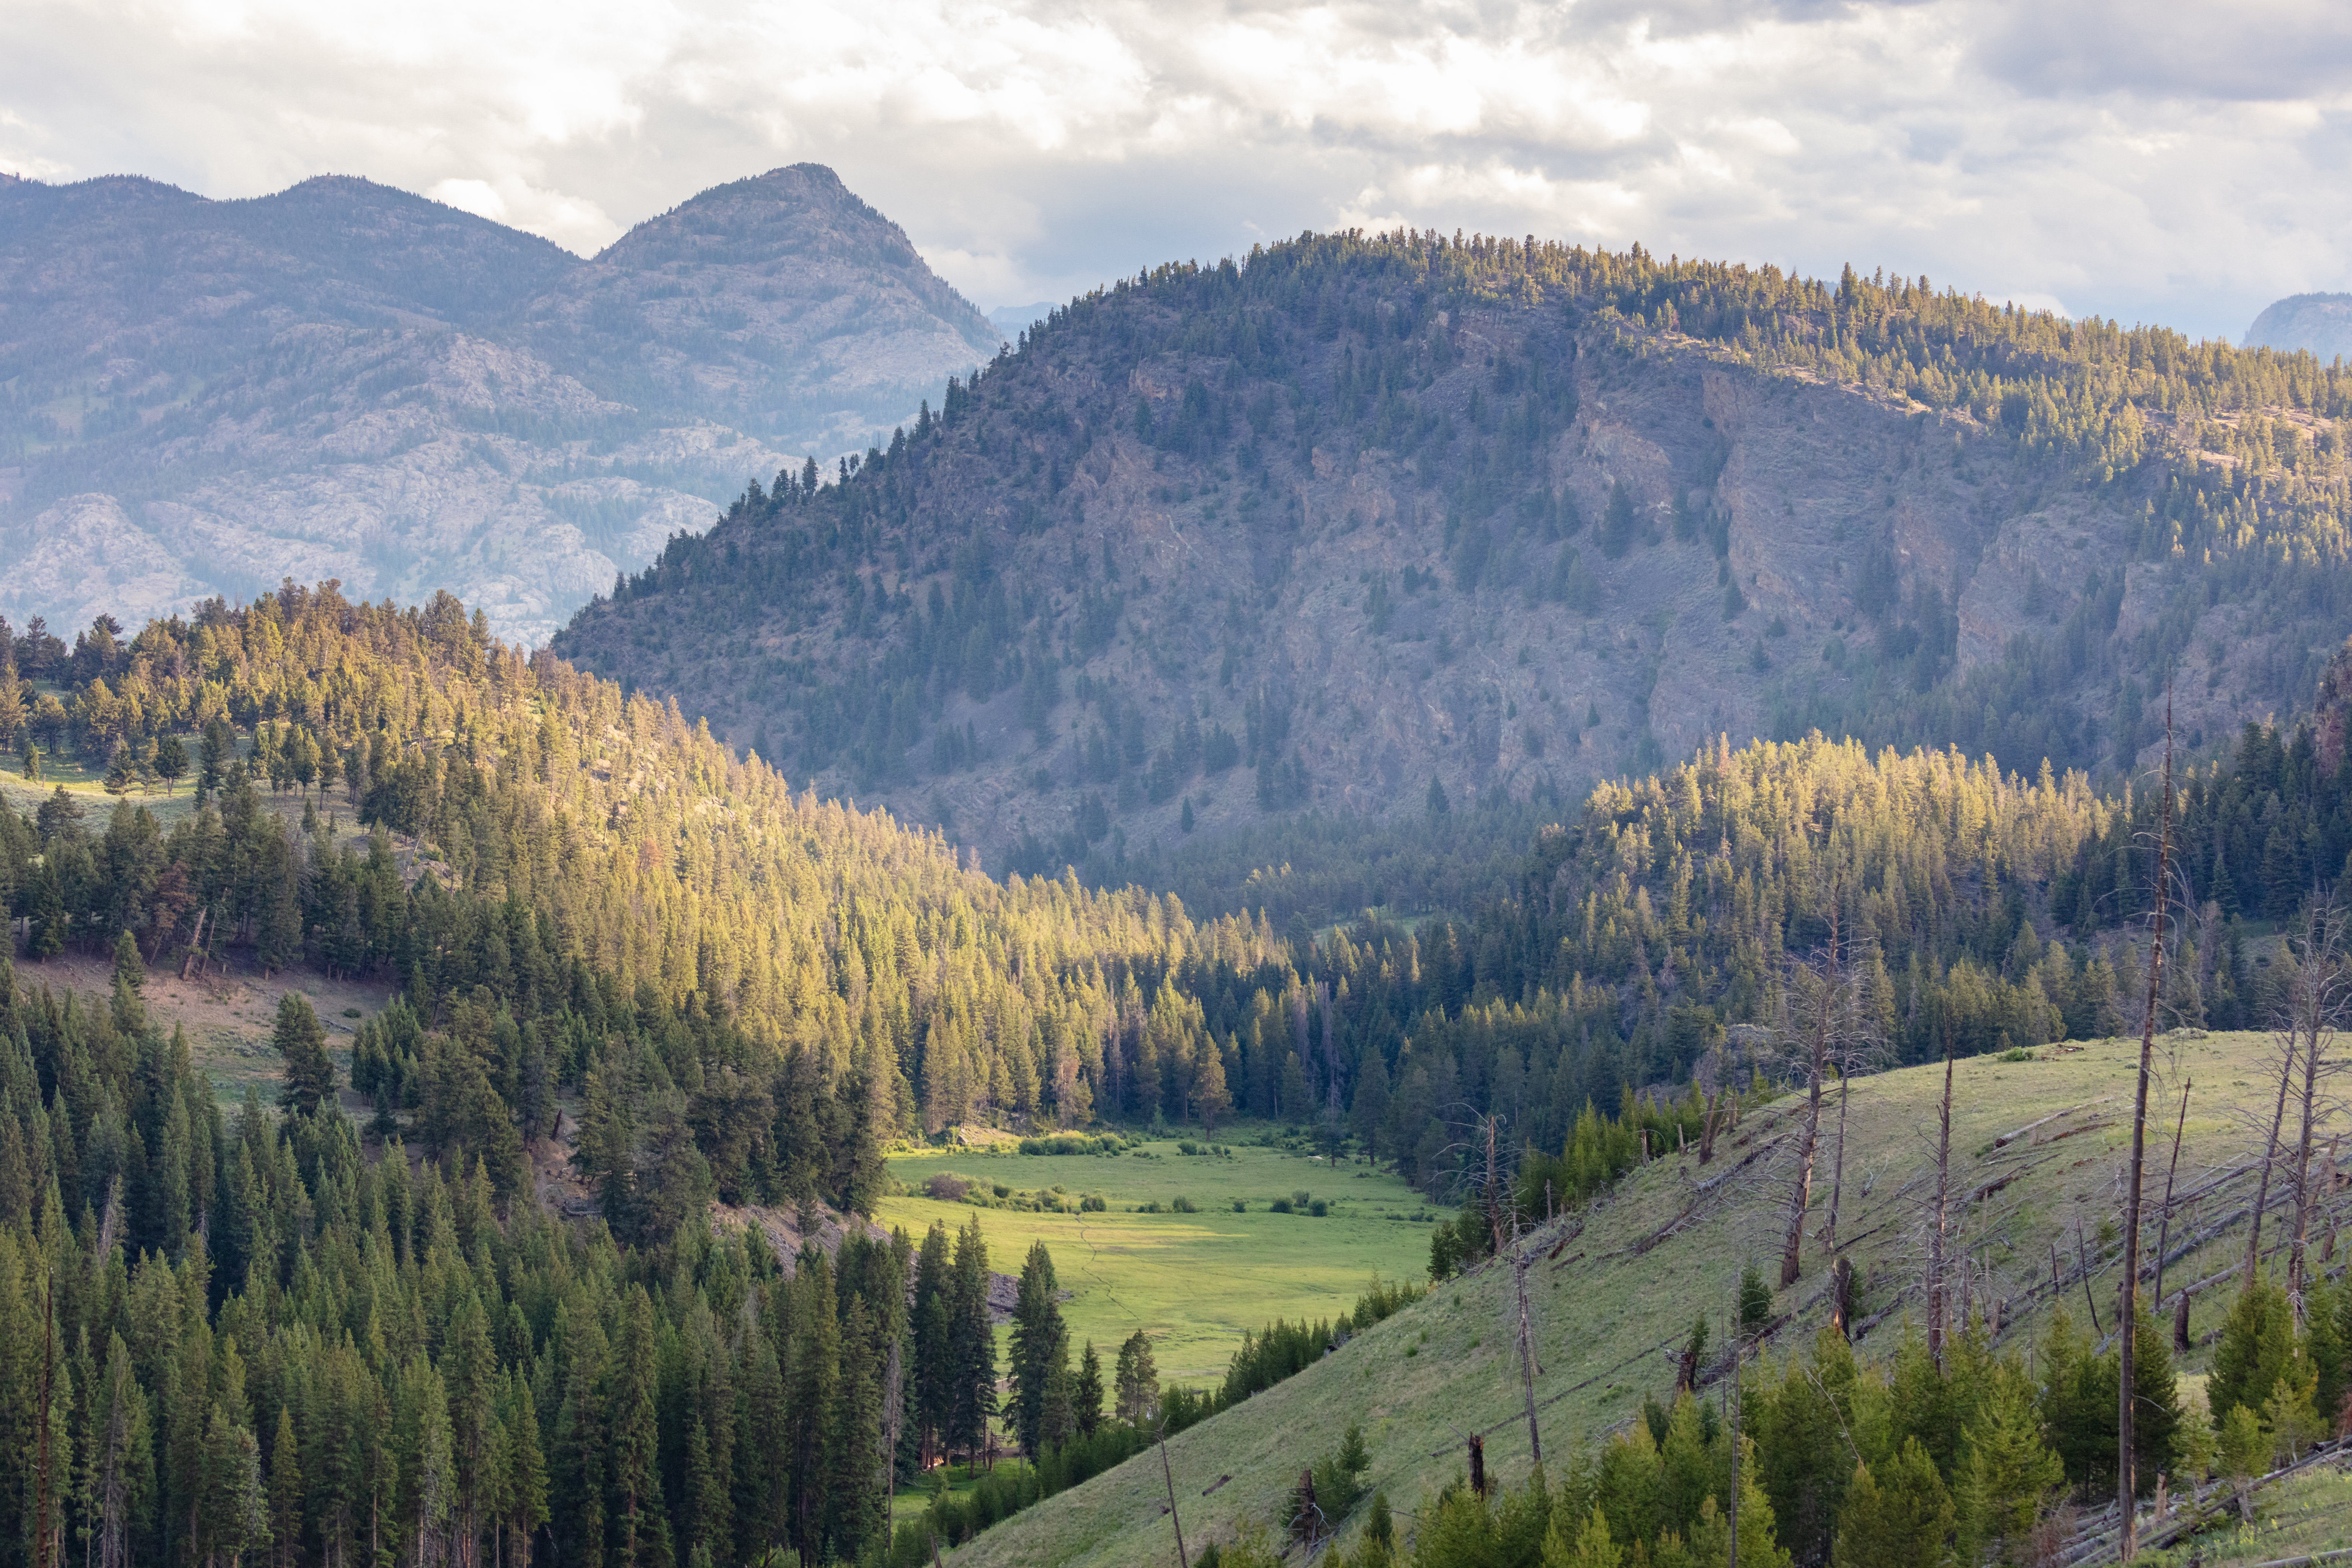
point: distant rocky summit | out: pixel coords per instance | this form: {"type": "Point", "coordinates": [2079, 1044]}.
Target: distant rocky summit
{"type": "Point", "coordinates": [2320, 322]}
{"type": "Point", "coordinates": [343, 380]}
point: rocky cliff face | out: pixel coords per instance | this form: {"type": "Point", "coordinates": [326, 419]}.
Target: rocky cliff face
{"type": "Point", "coordinates": [1380, 534]}
{"type": "Point", "coordinates": [343, 380]}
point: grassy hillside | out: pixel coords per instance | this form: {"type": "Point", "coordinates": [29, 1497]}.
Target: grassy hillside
{"type": "Point", "coordinates": [1609, 1313]}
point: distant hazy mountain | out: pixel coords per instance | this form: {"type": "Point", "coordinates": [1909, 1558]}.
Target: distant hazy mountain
{"type": "Point", "coordinates": [1014, 320]}
{"type": "Point", "coordinates": [2320, 322]}
{"type": "Point", "coordinates": [345, 380]}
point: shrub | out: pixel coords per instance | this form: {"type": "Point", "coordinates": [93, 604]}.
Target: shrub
{"type": "Point", "coordinates": [1280, 1205]}
{"type": "Point", "coordinates": [1184, 1205]}
{"type": "Point", "coordinates": [947, 1187]}
{"type": "Point", "coordinates": [1001, 1190]}
{"type": "Point", "coordinates": [1240, 1205]}
{"type": "Point", "coordinates": [1093, 1203]}
{"type": "Point", "coordinates": [1318, 1208]}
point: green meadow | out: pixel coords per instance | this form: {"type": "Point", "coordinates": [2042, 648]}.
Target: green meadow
{"type": "Point", "coordinates": [1195, 1281]}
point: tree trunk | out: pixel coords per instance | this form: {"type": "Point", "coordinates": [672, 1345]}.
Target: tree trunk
{"type": "Point", "coordinates": [2313, 995]}
{"type": "Point", "coordinates": [1943, 1195]}
{"type": "Point", "coordinates": [1527, 1348]}
{"type": "Point", "coordinates": [2126, 1327]}
{"type": "Point", "coordinates": [1793, 1256]}
{"type": "Point", "coordinates": [2270, 1156]}
{"type": "Point", "coordinates": [1837, 1164]}
{"type": "Point", "coordinates": [2164, 1220]}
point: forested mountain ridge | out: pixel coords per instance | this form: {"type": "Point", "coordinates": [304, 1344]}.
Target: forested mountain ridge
{"type": "Point", "coordinates": [1370, 511]}
{"type": "Point", "coordinates": [343, 380]}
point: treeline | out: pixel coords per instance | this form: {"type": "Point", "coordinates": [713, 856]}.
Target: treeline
{"type": "Point", "coordinates": [752, 990]}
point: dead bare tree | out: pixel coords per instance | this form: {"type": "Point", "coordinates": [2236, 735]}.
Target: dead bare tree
{"type": "Point", "coordinates": [2164, 1215]}
{"type": "Point", "coordinates": [1820, 1004]}
{"type": "Point", "coordinates": [1943, 1195]}
{"type": "Point", "coordinates": [2128, 1322]}
{"type": "Point", "coordinates": [1168, 1476]}
{"type": "Point", "coordinates": [1860, 1048]}
{"type": "Point", "coordinates": [1522, 1257]}
{"type": "Point", "coordinates": [2318, 992]}
{"type": "Point", "coordinates": [2289, 1038]}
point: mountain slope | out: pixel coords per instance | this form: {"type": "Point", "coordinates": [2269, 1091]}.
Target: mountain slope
{"type": "Point", "coordinates": [344, 380]}
{"type": "Point", "coordinates": [1614, 1291]}
{"type": "Point", "coordinates": [1372, 512]}
{"type": "Point", "coordinates": [781, 305]}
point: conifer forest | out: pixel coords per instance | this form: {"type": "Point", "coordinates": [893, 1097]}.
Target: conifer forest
{"type": "Point", "coordinates": [569, 1248]}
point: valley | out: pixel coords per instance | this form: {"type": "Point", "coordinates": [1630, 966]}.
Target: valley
{"type": "Point", "coordinates": [1590, 705]}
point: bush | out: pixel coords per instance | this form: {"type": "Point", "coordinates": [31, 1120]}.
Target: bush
{"type": "Point", "coordinates": [1318, 1208]}
{"type": "Point", "coordinates": [1001, 1190]}
{"type": "Point", "coordinates": [1240, 1205]}
{"type": "Point", "coordinates": [1094, 1202]}
{"type": "Point", "coordinates": [947, 1187]}
{"type": "Point", "coordinates": [1280, 1205]}
{"type": "Point", "coordinates": [1184, 1205]}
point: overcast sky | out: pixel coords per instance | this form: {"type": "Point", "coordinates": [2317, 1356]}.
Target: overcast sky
{"type": "Point", "coordinates": [2142, 161]}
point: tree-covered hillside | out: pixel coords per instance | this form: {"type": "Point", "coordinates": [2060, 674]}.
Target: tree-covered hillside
{"type": "Point", "coordinates": [296, 1331]}
{"type": "Point", "coordinates": [1386, 524]}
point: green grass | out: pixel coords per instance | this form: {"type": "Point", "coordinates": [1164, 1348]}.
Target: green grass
{"type": "Point", "coordinates": [1193, 1281]}
{"type": "Point", "coordinates": [910, 1501]}
{"type": "Point", "coordinates": [1606, 1314]}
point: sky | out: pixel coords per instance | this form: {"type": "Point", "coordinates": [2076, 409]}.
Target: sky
{"type": "Point", "coordinates": [2145, 162]}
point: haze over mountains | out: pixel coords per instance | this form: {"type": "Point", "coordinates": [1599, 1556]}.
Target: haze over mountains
{"type": "Point", "coordinates": [343, 380]}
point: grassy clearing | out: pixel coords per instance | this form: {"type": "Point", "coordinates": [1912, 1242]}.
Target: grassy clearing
{"type": "Point", "coordinates": [1195, 1281]}
{"type": "Point", "coordinates": [910, 1501]}
{"type": "Point", "coordinates": [1607, 1316]}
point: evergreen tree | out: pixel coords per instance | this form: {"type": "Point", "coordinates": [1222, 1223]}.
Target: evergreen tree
{"type": "Point", "coordinates": [1904, 1520]}
{"type": "Point", "coordinates": [285, 1493]}
{"type": "Point", "coordinates": [301, 1040]}
{"type": "Point", "coordinates": [1040, 1346]}
{"type": "Point", "coordinates": [1086, 1396]}
{"type": "Point", "coordinates": [1136, 1382]}
{"type": "Point", "coordinates": [2012, 1474]}
{"type": "Point", "coordinates": [2257, 1348]}
{"type": "Point", "coordinates": [971, 1346]}
{"type": "Point", "coordinates": [813, 1387]}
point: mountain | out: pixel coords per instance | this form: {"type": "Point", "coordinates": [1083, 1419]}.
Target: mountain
{"type": "Point", "coordinates": [343, 380]}
{"type": "Point", "coordinates": [1385, 526]}
{"type": "Point", "coordinates": [2320, 324]}
{"type": "Point", "coordinates": [1011, 321]}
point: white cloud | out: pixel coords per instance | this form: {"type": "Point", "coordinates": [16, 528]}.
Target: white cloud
{"type": "Point", "coordinates": [2169, 164]}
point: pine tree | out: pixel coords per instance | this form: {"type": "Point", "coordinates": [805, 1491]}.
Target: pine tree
{"type": "Point", "coordinates": [642, 1527]}
{"type": "Point", "coordinates": [971, 1347]}
{"type": "Point", "coordinates": [1040, 1346]}
{"type": "Point", "coordinates": [2011, 1473]}
{"type": "Point", "coordinates": [1087, 1395]}
{"type": "Point", "coordinates": [301, 1040]}
{"type": "Point", "coordinates": [856, 1490]}
{"type": "Point", "coordinates": [1904, 1520]}
{"type": "Point", "coordinates": [813, 1386]}
{"type": "Point", "coordinates": [286, 1491]}
{"type": "Point", "coordinates": [525, 1467]}
{"type": "Point", "coordinates": [1136, 1382]}
{"type": "Point", "coordinates": [2257, 1348]}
